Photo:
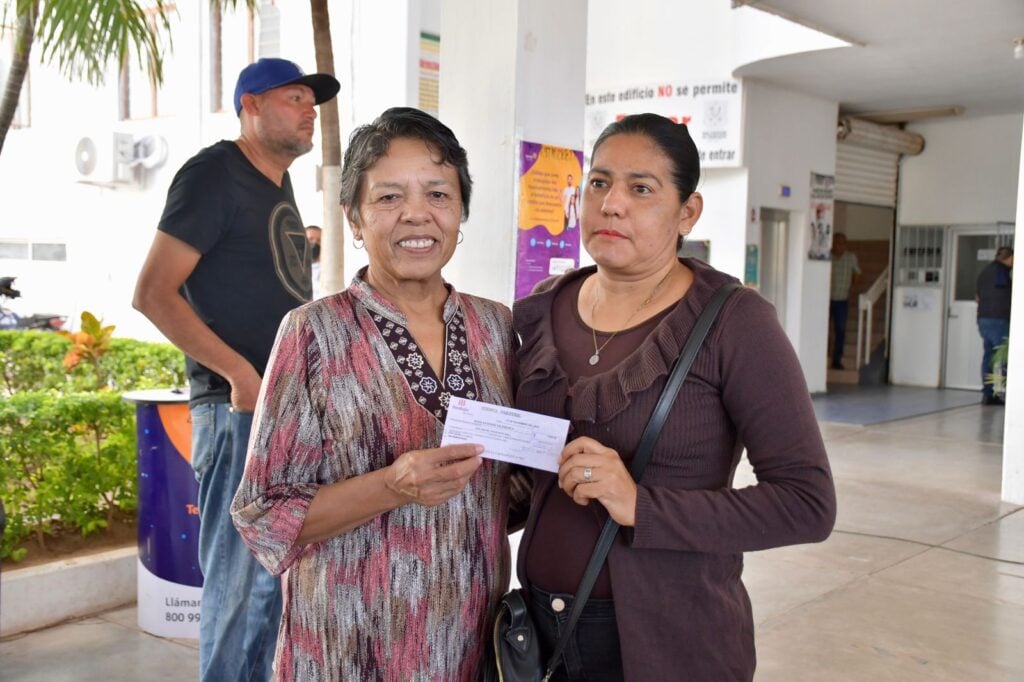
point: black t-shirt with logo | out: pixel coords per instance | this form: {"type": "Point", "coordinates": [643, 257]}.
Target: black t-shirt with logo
{"type": "Point", "coordinates": [255, 263]}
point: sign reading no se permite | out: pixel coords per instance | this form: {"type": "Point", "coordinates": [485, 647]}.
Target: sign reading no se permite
{"type": "Point", "coordinates": [711, 109]}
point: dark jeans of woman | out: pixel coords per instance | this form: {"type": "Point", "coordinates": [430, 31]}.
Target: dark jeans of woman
{"type": "Point", "coordinates": [592, 653]}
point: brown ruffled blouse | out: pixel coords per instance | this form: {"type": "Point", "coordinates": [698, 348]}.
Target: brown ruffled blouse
{"type": "Point", "coordinates": [681, 607]}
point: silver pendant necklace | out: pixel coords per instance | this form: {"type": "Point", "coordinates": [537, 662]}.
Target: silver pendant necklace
{"type": "Point", "coordinates": [596, 357]}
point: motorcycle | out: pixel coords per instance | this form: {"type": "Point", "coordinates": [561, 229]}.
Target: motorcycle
{"type": "Point", "coordinates": [11, 320]}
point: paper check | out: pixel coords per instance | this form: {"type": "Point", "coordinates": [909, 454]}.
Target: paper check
{"type": "Point", "coordinates": [507, 434]}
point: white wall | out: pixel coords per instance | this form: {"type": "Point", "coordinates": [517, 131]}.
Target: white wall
{"type": "Point", "coordinates": [966, 174]}
{"type": "Point", "coordinates": [788, 136]}
{"type": "Point", "coordinates": [509, 71]}
{"type": "Point", "coordinates": [758, 35]}
{"type": "Point", "coordinates": [617, 54]}
{"type": "Point", "coordinates": [107, 231]}
{"type": "Point", "coordinates": [722, 223]}
{"type": "Point", "coordinates": [643, 40]}
{"type": "Point", "coordinates": [376, 53]}
{"type": "Point", "coordinates": [915, 352]}
{"type": "Point", "coordinates": [1013, 421]}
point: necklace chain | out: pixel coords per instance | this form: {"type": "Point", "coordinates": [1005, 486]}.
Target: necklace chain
{"type": "Point", "coordinates": [596, 357]}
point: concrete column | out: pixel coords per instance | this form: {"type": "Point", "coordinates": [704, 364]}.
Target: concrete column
{"type": "Point", "coordinates": [510, 71]}
{"type": "Point", "coordinates": [376, 54]}
{"type": "Point", "coordinates": [1013, 427]}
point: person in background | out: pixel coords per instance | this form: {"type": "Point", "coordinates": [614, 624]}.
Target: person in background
{"type": "Point", "coordinates": [228, 261]}
{"type": "Point", "coordinates": [313, 234]}
{"type": "Point", "coordinates": [845, 275]}
{"type": "Point", "coordinates": [393, 549]}
{"type": "Point", "coordinates": [598, 344]}
{"type": "Point", "coordinates": [992, 292]}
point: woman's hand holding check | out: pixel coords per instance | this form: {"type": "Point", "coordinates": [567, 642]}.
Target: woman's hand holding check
{"type": "Point", "coordinates": [590, 471]}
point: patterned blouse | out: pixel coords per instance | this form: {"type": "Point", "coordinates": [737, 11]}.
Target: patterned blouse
{"type": "Point", "coordinates": [410, 594]}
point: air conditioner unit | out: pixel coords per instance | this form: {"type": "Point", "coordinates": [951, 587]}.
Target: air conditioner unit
{"type": "Point", "coordinates": [150, 152]}
{"type": "Point", "coordinates": [106, 160]}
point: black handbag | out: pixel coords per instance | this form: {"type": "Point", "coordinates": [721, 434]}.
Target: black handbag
{"type": "Point", "coordinates": [516, 644]}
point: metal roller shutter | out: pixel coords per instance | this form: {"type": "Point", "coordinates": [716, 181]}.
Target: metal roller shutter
{"type": "Point", "coordinates": [866, 176]}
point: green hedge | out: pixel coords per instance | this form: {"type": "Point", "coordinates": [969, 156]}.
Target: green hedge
{"type": "Point", "coordinates": [31, 361]}
{"type": "Point", "coordinates": [67, 453]}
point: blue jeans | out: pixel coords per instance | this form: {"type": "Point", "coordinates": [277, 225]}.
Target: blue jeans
{"type": "Point", "coordinates": [592, 653]}
{"type": "Point", "coordinates": [838, 311]}
{"type": "Point", "coordinates": [993, 331]}
{"type": "Point", "coordinates": [241, 607]}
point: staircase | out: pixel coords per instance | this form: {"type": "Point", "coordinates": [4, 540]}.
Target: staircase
{"type": "Point", "coordinates": [873, 257]}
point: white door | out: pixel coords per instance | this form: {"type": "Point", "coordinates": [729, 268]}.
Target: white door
{"type": "Point", "coordinates": [773, 259]}
{"type": "Point", "coordinates": [971, 249]}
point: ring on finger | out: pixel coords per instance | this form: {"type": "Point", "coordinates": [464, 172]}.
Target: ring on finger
{"type": "Point", "coordinates": [588, 474]}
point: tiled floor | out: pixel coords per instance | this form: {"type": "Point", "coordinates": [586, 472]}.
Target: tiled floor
{"type": "Point", "coordinates": [864, 405]}
{"type": "Point", "coordinates": [923, 578]}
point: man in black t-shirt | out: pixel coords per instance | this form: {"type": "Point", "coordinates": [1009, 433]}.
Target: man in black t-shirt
{"type": "Point", "coordinates": [229, 259]}
{"type": "Point", "coordinates": [994, 287]}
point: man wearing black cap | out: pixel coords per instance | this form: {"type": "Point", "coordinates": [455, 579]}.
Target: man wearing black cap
{"type": "Point", "coordinates": [229, 259]}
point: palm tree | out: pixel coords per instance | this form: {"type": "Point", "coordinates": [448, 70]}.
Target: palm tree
{"type": "Point", "coordinates": [83, 39]}
{"type": "Point", "coordinates": [332, 257]}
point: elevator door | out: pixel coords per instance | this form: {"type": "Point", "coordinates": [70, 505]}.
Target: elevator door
{"type": "Point", "coordinates": [774, 226]}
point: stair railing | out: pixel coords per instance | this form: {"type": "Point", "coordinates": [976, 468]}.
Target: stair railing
{"type": "Point", "coordinates": [865, 316]}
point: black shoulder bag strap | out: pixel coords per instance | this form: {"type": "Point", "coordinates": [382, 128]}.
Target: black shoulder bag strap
{"type": "Point", "coordinates": [643, 455]}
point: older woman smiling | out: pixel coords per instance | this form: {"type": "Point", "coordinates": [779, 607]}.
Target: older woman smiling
{"type": "Point", "coordinates": [393, 549]}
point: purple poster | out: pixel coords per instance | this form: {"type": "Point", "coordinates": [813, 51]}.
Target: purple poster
{"type": "Point", "coordinates": [550, 181]}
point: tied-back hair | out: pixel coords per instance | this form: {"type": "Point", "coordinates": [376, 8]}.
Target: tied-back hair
{"type": "Point", "coordinates": [368, 143]}
{"type": "Point", "coordinates": [674, 141]}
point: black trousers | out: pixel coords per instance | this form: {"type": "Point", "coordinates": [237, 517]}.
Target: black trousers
{"type": "Point", "coordinates": [838, 311]}
{"type": "Point", "coordinates": [593, 652]}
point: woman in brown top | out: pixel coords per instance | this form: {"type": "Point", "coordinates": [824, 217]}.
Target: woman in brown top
{"type": "Point", "coordinates": [597, 348]}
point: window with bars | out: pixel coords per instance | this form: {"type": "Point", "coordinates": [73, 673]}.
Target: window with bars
{"type": "Point", "coordinates": [919, 259]}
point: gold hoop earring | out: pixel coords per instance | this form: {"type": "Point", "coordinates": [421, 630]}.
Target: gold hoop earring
{"type": "Point", "coordinates": [462, 237]}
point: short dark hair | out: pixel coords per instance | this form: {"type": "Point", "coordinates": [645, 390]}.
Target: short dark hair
{"type": "Point", "coordinates": [1004, 252]}
{"type": "Point", "coordinates": [368, 143]}
{"type": "Point", "coordinates": [674, 141]}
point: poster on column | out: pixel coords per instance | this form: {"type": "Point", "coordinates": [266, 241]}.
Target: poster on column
{"type": "Point", "coordinates": [822, 200]}
{"type": "Point", "coordinates": [711, 108]}
{"type": "Point", "coordinates": [548, 213]}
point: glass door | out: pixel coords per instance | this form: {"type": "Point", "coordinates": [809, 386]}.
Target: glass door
{"type": "Point", "coordinates": [972, 248]}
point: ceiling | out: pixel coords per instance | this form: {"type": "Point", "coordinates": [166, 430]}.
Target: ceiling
{"type": "Point", "coordinates": [907, 54]}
